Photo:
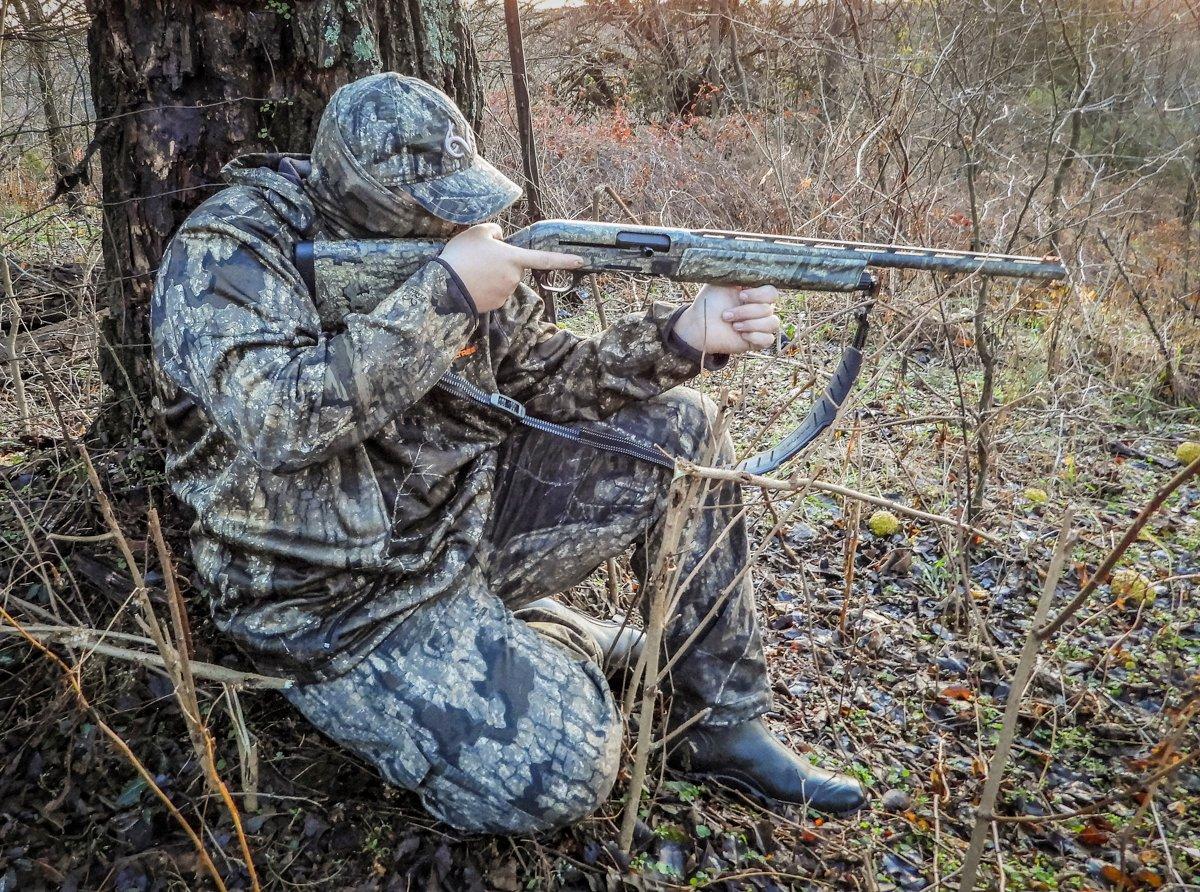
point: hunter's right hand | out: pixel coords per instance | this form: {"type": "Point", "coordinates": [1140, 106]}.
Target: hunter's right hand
{"type": "Point", "coordinates": [491, 269]}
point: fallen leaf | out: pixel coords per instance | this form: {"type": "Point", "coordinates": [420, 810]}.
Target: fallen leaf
{"type": "Point", "coordinates": [937, 785]}
{"type": "Point", "coordinates": [504, 877]}
{"type": "Point", "coordinates": [1149, 878]}
{"type": "Point", "coordinates": [957, 692]}
{"type": "Point", "coordinates": [1093, 836]}
{"type": "Point", "coordinates": [1116, 876]}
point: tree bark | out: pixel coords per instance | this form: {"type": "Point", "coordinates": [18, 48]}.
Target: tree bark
{"type": "Point", "coordinates": [182, 86]}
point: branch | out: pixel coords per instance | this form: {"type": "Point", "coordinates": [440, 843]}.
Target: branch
{"type": "Point", "coordinates": [1012, 711]}
{"type": "Point", "coordinates": [796, 484]}
{"type": "Point", "coordinates": [1115, 555]}
{"type": "Point", "coordinates": [93, 640]}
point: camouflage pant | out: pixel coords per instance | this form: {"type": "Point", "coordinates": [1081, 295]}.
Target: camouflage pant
{"type": "Point", "coordinates": [497, 725]}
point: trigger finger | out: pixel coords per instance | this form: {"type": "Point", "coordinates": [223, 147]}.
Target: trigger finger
{"type": "Point", "coordinates": [549, 260]}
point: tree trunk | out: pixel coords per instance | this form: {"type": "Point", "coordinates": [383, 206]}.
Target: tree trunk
{"type": "Point", "coordinates": [182, 86]}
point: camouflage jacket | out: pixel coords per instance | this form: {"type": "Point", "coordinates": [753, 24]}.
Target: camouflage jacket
{"type": "Point", "coordinates": [333, 490]}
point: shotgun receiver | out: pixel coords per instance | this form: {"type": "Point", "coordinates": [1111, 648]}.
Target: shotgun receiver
{"type": "Point", "coordinates": [354, 272]}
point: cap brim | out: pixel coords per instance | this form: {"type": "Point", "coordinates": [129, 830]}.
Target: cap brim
{"type": "Point", "coordinates": [469, 196]}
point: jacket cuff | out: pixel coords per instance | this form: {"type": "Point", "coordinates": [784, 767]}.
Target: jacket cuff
{"type": "Point", "coordinates": [709, 361]}
{"type": "Point", "coordinates": [458, 291]}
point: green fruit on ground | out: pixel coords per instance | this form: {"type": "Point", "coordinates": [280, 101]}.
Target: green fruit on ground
{"type": "Point", "coordinates": [1130, 585]}
{"type": "Point", "coordinates": [883, 523]}
{"type": "Point", "coordinates": [1187, 452]}
{"type": "Point", "coordinates": [1035, 496]}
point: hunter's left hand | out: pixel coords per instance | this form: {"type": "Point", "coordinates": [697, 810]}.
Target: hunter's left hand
{"type": "Point", "coordinates": [730, 319]}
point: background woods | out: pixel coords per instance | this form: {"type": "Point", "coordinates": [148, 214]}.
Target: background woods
{"type": "Point", "coordinates": [1047, 417]}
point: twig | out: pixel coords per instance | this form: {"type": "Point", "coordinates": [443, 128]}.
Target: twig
{"type": "Point", "coordinates": [1012, 710]}
{"type": "Point", "coordinates": [10, 346]}
{"type": "Point", "coordinates": [795, 484]}
{"type": "Point", "coordinates": [681, 727]}
{"type": "Point", "coordinates": [1140, 300]}
{"type": "Point", "coordinates": [612, 193]}
{"type": "Point", "coordinates": [185, 693]}
{"type": "Point", "coordinates": [848, 565]}
{"type": "Point", "coordinates": [1101, 575]}
{"type": "Point", "coordinates": [65, 537]}
{"type": "Point", "coordinates": [77, 636]}
{"type": "Point", "coordinates": [594, 280]}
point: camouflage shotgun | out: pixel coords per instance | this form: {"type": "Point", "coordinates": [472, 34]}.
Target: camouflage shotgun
{"type": "Point", "coordinates": [368, 267]}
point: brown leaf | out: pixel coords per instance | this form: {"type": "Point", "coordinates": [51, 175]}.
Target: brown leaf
{"type": "Point", "coordinates": [957, 692]}
{"type": "Point", "coordinates": [1149, 878]}
{"type": "Point", "coordinates": [504, 877]}
{"type": "Point", "coordinates": [1116, 876]}
{"type": "Point", "coordinates": [937, 784]}
{"type": "Point", "coordinates": [1093, 836]}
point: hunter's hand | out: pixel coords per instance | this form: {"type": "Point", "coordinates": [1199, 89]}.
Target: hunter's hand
{"type": "Point", "coordinates": [491, 269]}
{"type": "Point", "coordinates": [729, 319]}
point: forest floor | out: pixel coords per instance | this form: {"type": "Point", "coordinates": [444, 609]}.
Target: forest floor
{"type": "Point", "coordinates": [903, 684]}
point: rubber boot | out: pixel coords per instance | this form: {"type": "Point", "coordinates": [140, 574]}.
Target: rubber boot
{"type": "Point", "coordinates": [620, 642]}
{"type": "Point", "coordinates": [748, 757]}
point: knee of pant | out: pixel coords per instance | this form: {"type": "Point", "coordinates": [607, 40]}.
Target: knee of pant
{"type": "Point", "coordinates": [566, 803]}
{"type": "Point", "coordinates": [551, 795]}
{"type": "Point", "coordinates": [693, 432]}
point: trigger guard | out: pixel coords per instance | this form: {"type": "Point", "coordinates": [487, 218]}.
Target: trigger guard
{"type": "Point", "coordinates": [543, 281]}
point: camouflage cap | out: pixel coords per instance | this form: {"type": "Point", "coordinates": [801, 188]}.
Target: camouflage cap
{"type": "Point", "coordinates": [387, 140]}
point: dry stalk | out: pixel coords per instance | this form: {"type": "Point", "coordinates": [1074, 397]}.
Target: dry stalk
{"type": "Point", "coordinates": [674, 521]}
{"type": "Point", "coordinates": [247, 748]}
{"type": "Point", "coordinates": [730, 589]}
{"type": "Point", "coordinates": [852, 520]}
{"type": "Point", "coordinates": [148, 621]}
{"type": "Point", "coordinates": [796, 484]}
{"type": "Point", "coordinates": [93, 640]}
{"type": "Point", "coordinates": [10, 345]}
{"type": "Point", "coordinates": [175, 657]}
{"type": "Point", "coordinates": [1012, 710]}
{"type": "Point", "coordinates": [185, 693]}
{"type": "Point", "coordinates": [684, 501]}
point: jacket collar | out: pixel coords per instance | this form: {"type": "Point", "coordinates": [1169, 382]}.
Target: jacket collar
{"type": "Point", "coordinates": [282, 187]}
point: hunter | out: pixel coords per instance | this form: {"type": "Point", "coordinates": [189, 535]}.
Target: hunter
{"type": "Point", "coordinates": [394, 549]}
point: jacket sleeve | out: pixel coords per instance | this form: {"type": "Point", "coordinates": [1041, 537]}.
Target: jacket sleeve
{"type": "Point", "coordinates": [563, 377]}
{"type": "Point", "coordinates": [234, 327]}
